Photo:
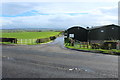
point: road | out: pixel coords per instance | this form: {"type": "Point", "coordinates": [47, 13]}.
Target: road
{"type": "Point", "coordinates": [52, 60]}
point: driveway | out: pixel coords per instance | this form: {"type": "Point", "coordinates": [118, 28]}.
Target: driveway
{"type": "Point", "coordinates": [52, 60]}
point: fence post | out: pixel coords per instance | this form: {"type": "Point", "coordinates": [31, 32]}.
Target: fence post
{"type": "Point", "coordinates": [87, 45]}
{"type": "Point", "coordinates": [20, 41]}
{"type": "Point", "coordinates": [33, 40]}
{"type": "Point", "coordinates": [25, 41]}
{"type": "Point", "coordinates": [80, 44]}
{"type": "Point", "coordinates": [118, 45]}
{"type": "Point", "coordinates": [83, 44]}
{"type": "Point", "coordinates": [16, 41]}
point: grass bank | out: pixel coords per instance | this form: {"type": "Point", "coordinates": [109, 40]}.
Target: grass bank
{"type": "Point", "coordinates": [112, 51]}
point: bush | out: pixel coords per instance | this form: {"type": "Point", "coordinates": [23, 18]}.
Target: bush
{"type": "Point", "coordinates": [42, 40]}
{"type": "Point", "coordinates": [12, 40]}
{"type": "Point", "coordinates": [52, 37]}
{"type": "Point", "coordinates": [95, 46]}
{"type": "Point", "coordinates": [109, 45]}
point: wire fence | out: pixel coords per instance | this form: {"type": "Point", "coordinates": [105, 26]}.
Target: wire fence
{"type": "Point", "coordinates": [78, 44]}
{"type": "Point", "coordinates": [81, 45]}
{"type": "Point", "coordinates": [95, 45]}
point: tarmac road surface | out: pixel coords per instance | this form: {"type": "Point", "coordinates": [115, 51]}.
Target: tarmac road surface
{"type": "Point", "coordinates": [52, 60]}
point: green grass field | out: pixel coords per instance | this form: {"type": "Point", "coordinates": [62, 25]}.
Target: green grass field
{"type": "Point", "coordinates": [27, 37]}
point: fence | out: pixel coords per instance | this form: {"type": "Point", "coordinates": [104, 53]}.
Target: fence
{"type": "Point", "coordinates": [118, 44]}
{"type": "Point", "coordinates": [81, 45]}
{"type": "Point", "coordinates": [78, 44]}
{"type": "Point", "coordinates": [86, 45]}
{"type": "Point", "coordinates": [26, 41]}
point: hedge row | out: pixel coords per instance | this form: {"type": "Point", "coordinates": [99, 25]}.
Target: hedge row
{"type": "Point", "coordinates": [12, 40]}
{"type": "Point", "coordinates": [46, 39]}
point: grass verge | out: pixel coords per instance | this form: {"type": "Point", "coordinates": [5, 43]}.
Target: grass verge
{"type": "Point", "coordinates": [112, 51]}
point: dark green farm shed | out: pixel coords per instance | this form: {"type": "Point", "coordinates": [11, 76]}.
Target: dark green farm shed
{"type": "Point", "coordinates": [77, 33]}
{"type": "Point", "coordinates": [99, 33]}
{"type": "Point", "coordinates": [107, 32]}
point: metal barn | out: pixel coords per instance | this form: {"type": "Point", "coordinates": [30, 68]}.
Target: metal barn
{"type": "Point", "coordinates": [107, 32]}
{"type": "Point", "coordinates": [77, 33]}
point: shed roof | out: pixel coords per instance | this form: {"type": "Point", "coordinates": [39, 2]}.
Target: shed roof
{"type": "Point", "coordinates": [79, 27]}
{"type": "Point", "coordinates": [97, 27]}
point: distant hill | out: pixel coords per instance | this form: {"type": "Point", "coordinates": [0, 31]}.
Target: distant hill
{"type": "Point", "coordinates": [30, 29]}
{"type": "Point", "coordinates": [36, 29]}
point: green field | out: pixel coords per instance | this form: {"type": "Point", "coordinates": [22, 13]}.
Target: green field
{"type": "Point", "coordinates": [27, 37]}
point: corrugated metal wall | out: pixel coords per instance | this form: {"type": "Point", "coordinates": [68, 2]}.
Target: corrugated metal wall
{"type": "Point", "coordinates": [105, 33]}
{"type": "Point", "coordinates": [80, 33]}
{"type": "Point", "coordinates": [109, 32]}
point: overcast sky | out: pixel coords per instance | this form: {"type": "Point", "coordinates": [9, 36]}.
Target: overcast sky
{"type": "Point", "coordinates": [58, 14]}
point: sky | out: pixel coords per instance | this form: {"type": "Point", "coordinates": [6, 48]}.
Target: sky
{"type": "Point", "coordinates": [65, 14]}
